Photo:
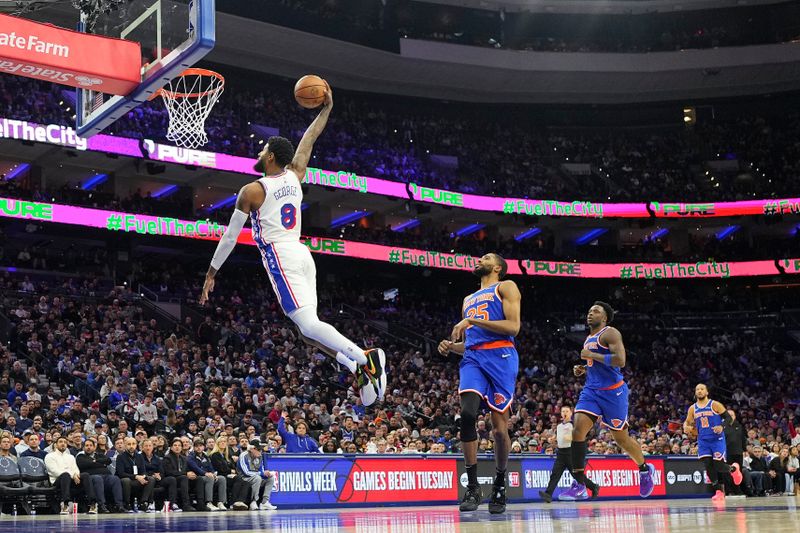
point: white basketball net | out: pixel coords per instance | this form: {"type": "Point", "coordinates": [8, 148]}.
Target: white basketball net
{"type": "Point", "coordinates": [189, 99]}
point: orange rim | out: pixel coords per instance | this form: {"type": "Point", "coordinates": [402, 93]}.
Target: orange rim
{"type": "Point", "coordinates": [193, 72]}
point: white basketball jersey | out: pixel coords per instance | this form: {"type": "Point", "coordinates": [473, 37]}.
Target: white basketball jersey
{"type": "Point", "coordinates": [279, 217]}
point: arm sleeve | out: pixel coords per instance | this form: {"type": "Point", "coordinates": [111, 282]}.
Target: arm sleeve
{"type": "Point", "coordinates": [228, 240]}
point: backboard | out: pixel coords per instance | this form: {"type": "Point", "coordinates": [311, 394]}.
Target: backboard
{"type": "Point", "coordinates": [174, 35]}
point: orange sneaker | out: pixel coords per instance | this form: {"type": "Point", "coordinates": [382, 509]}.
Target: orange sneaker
{"type": "Point", "coordinates": [718, 496]}
{"type": "Point", "coordinates": [736, 474]}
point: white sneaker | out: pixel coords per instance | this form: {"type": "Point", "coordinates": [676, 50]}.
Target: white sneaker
{"type": "Point", "coordinates": [176, 508]}
{"type": "Point", "coordinates": [212, 507]}
{"type": "Point", "coordinates": [266, 506]}
{"type": "Point", "coordinates": [151, 507]}
{"type": "Point", "coordinates": [221, 507]}
{"type": "Point", "coordinates": [64, 508]}
{"type": "Point", "coordinates": [254, 506]}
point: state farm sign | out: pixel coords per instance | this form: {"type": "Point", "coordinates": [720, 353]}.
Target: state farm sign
{"type": "Point", "coordinates": [54, 54]}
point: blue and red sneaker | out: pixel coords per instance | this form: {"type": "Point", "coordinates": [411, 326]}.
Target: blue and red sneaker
{"type": "Point", "coordinates": [576, 492]}
{"type": "Point", "coordinates": [646, 483]}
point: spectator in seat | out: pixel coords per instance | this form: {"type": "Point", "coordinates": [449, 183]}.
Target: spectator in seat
{"type": "Point", "coordinates": [792, 465]}
{"type": "Point", "coordinates": [777, 472]}
{"type": "Point", "coordinates": [154, 470]}
{"type": "Point", "coordinates": [64, 474]}
{"type": "Point", "coordinates": [6, 440]}
{"type": "Point", "coordinates": [34, 447]}
{"type": "Point", "coordinates": [224, 463]}
{"type": "Point", "coordinates": [298, 442]}
{"type": "Point", "coordinates": [175, 465]}
{"type": "Point", "coordinates": [207, 479]}
{"type": "Point", "coordinates": [133, 473]}
{"type": "Point", "coordinates": [252, 469]}
{"type": "Point", "coordinates": [102, 480]}
{"type": "Point", "coordinates": [147, 414]}
{"type": "Point", "coordinates": [758, 472]}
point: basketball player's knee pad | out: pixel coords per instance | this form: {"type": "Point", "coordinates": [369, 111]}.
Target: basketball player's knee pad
{"type": "Point", "coordinates": [470, 404]}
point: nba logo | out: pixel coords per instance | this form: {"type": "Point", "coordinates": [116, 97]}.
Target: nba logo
{"type": "Point", "coordinates": [513, 479]}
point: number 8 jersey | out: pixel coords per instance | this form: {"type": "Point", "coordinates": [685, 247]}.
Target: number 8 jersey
{"type": "Point", "coordinates": [485, 304]}
{"type": "Point", "coordinates": [276, 230]}
{"type": "Point", "coordinates": [278, 218]}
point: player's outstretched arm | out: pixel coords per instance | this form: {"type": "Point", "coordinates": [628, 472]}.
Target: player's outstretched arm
{"type": "Point", "coordinates": [245, 203]}
{"type": "Point", "coordinates": [303, 153]}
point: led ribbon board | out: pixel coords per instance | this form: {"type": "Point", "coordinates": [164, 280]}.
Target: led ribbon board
{"type": "Point", "coordinates": [66, 136]}
{"type": "Point", "coordinates": [207, 230]}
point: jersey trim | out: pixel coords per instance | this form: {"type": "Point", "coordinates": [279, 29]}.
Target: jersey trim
{"type": "Point", "coordinates": [599, 334]}
{"type": "Point", "coordinates": [497, 291]}
{"type": "Point", "coordinates": [492, 345]}
{"type": "Point", "coordinates": [616, 385]}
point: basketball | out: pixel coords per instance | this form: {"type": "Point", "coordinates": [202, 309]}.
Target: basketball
{"type": "Point", "coordinates": [309, 91]}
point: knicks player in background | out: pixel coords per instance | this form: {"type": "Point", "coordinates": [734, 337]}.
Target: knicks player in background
{"type": "Point", "coordinates": [488, 371]}
{"type": "Point", "coordinates": [704, 420]}
{"type": "Point", "coordinates": [604, 397]}
{"type": "Point", "coordinates": [273, 205]}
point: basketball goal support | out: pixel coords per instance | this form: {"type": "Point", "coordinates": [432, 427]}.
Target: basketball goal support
{"type": "Point", "coordinates": [94, 113]}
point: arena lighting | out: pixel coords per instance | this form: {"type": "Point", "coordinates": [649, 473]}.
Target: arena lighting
{"type": "Point", "coordinates": [347, 219]}
{"type": "Point", "coordinates": [222, 203]}
{"type": "Point", "coordinates": [166, 191]}
{"type": "Point", "coordinates": [94, 181]}
{"type": "Point", "coordinates": [527, 234]}
{"type": "Point", "coordinates": [17, 171]}
{"type": "Point", "coordinates": [656, 234]}
{"type": "Point", "coordinates": [727, 232]}
{"type": "Point", "coordinates": [408, 224]}
{"type": "Point", "coordinates": [689, 116]}
{"type": "Point", "coordinates": [590, 236]}
{"type": "Point", "coordinates": [468, 230]}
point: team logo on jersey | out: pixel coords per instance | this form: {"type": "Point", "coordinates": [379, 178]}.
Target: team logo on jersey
{"type": "Point", "coordinates": [718, 456]}
{"type": "Point", "coordinates": [499, 399]}
{"type": "Point", "coordinates": [616, 422]}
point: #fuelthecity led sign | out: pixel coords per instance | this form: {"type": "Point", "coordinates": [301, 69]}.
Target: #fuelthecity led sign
{"type": "Point", "coordinates": [66, 136]}
{"type": "Point", "coordinates": [207, 230]}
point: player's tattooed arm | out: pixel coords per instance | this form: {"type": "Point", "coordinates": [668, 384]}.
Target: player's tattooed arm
{"type": "Point", "coordinates": [613, 339]}
{"type": "Point", "coordinates": [688, 424]}
{"type": "Point", "coordinates": [303, 153]}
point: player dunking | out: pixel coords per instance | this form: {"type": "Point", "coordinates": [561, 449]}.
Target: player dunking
{"type": "Point", "coordinates": [488, 371]}
{"type": "Point", "coordinates": [273, 205]}
{"type": "Point", "coordinates": [708, 415]}
{"type": "Point", "coordinates": [605, 397]}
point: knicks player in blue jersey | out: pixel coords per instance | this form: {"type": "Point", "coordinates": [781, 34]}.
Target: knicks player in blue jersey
{"type": "Point", "coordinates": [705, 419]}
{"type": "Point", "coordinates": [604, 397]}
{"type": "Point", "coordinates": [488, 371]}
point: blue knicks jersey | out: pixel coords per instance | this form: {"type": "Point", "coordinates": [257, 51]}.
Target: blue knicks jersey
{"type": "Point", "coordinates": [704, 420]}
{"type": "Point", "coordinates": [484, 304]}
{"type": "Point", "coordinates": [599, 375]}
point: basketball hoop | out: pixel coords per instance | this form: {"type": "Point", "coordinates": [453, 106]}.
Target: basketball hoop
{"type": "Point", "coordinates": [189, 99]}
